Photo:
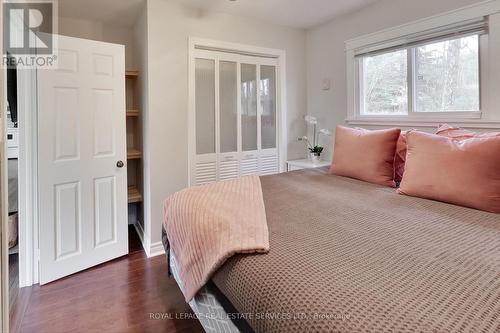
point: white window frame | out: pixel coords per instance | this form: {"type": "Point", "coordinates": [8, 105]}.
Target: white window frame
{"type": "Point", "coordinates": [488, 116]}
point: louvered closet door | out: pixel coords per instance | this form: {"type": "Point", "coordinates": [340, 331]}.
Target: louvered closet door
{"type": "Point", "coordinates": [206, 158]}
{"type": "Point", "coordinates": [249, 120]}
{"type": "Point", "coordinates": [235, 104]}
{"type": "Point", "coordinates": [228, 167]}
{"type": "Point", "coordinates": [268, 163]}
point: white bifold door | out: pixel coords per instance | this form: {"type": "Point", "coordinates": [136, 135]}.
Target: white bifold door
{"type": "Point", "coordinates": [234, 119]}
{"type": "Point", "coordinates": [82, 154]}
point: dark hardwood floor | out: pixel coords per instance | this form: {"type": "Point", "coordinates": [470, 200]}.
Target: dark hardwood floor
{"type": "Point", "coordinates": [118, 296]}
{"type": "Point", "coordinates": [13, 278]}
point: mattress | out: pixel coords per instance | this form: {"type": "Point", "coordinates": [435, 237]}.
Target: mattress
{"type": "Point", "coordinates": [348, 256]}
{"type": "Point", "coordinates": [206, 305]}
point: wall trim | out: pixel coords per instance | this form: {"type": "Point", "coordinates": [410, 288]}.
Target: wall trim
{"type": "Point", "coordinates": [156, 249]}
{"type": "Point", "coordinates": [152, 250]}
{"type": "Point", "coordinates": [433, 123]}
{"type": "Point", "coordinates": [28, 178]}
{"type": "Point", "coordinates": [140, 232]}
{"type": "Point", "coordinates": [222, 46]}
{"type": "Point", "coordinates": [473, 11]}
{"type": "Point", "coordinates": [4, 257]}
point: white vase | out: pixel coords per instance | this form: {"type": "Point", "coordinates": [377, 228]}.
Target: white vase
{"type": "Point", "coordinates": [315, 158]}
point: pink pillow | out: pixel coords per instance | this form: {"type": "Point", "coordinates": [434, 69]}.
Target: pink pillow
{"type": "Point", "coordinates": [458, 133]}
{"type": "Point", "coordinates": [365, 155]}
{"type": "Point", "coordinates": [399, 160]}
{"type": "Point", "coordinates": [465, 172]}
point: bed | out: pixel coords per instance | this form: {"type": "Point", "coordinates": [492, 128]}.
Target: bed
{"type": "Point", "coordinates": [349, 256]}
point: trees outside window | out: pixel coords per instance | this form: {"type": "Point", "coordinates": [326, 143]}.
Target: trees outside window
{"type": "Point", "coordinates": [444, 77]}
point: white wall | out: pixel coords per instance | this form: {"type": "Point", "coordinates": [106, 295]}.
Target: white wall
{"type": "Point", "coordinates": [169, 26]}
{"type": "Point", "coordinates": [87, 29]}
{"type": "Point", "coordinates": [326, 57]}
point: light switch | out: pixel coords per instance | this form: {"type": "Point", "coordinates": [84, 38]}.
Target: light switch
{"type": "Point", "coordinates": [326, 84]}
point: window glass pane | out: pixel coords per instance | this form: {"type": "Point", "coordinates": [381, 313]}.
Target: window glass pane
{"type": "Point", "coordinates": [249, 107]}
{"type": "Point", "coordinates": [268, 103]}
{"type": "Point", "coordinates": [447, 76]}
{"type": "Point", "coordinates": [385, 84]}
{"type": "Point", "coordinates": [228, 107]}
{"type": "Point", "coordinates": [205, 106]}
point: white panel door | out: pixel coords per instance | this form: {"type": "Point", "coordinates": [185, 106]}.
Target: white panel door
{"type": "Point", "coordinates": [81, 139]}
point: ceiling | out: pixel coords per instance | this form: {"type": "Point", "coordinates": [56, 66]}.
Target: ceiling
{"type": "Point", "coordinates": [292, 13]}
{"type": "Point", "coordinates": [118, 12]}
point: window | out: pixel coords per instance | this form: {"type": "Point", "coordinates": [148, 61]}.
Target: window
{"type": "Point", "coordinates": [385, 84]}
{"type": "Point", "coordinates": [438, 69]}
{"type": "Point", "coordinates": [438, 76]}
{"type": "Point", "coordinates": [447, 76]}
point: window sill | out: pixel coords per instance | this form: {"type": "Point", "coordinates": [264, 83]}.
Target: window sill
{"type": "Point", "coordinates": [466, 122]}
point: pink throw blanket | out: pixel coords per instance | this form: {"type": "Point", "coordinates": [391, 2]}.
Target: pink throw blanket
{"type": "Point", "coordinates": [208, 224]}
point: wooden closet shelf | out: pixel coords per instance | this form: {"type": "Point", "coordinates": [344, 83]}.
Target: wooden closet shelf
{"type": "Point", "coordinates": [134, 154]}
{"type": "Point", "coordinates": [134, 195]}
{"type": "Point", "coordinates": [132, 113]}
{"type": "Point", "coordinates": [131, 73]}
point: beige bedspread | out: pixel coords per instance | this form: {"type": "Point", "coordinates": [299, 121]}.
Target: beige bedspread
{"type": "Point", "coordinates": [208, 224]}
{"type": "Point", "coordinates": [348, 256]}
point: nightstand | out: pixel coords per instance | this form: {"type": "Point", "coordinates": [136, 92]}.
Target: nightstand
{"type": "Point", "coordinates": [304, 164]}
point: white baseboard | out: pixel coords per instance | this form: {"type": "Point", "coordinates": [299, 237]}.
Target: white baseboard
{"type": "Point", "coordinates": [156, 249]}
{"type": "Point", "coordinates": [140, 233]}
{"type": "Point", "coordinates": [152, 250]}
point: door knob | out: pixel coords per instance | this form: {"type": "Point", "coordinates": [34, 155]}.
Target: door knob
{"type": "Point", "coordinates": [120, 164]}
